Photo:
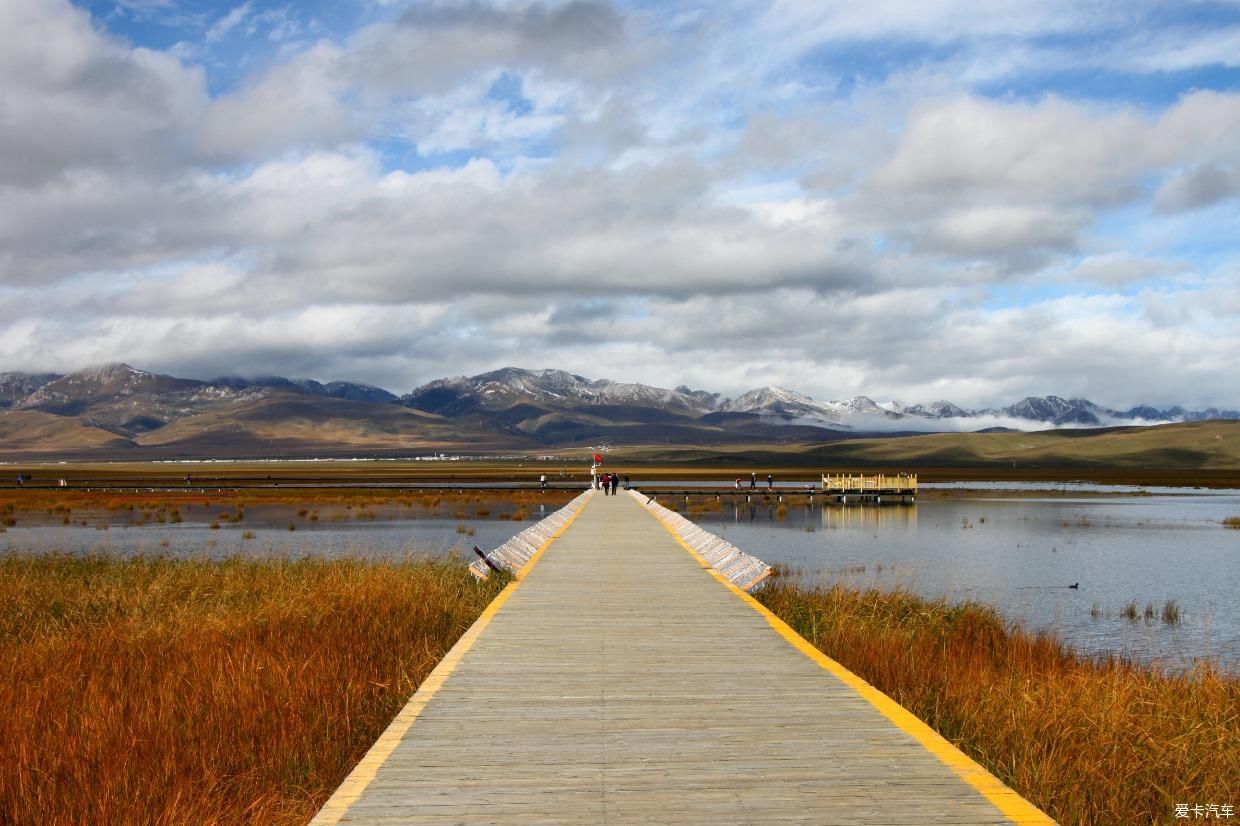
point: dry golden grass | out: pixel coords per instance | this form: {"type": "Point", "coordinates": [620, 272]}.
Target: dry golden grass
{"type": "Point", "coordinates": [138, 507]}
{"type": "Point", "coordinates": [1232, 522]}
{"type": "Point", "coordinates": [158, 691]}
{"type": "Point", "coordinates": [1090, 741]}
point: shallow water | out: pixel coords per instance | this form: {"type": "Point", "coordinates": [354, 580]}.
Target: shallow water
{"type": "Point", "coordinates": [393, 540]}
{"type": "Point", "coordinates": [1021, 554]}
{"type": "Point", "coordinates": [390, 533]}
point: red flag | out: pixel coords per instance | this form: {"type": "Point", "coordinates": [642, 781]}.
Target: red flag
{"type": "Point", "coordinates": [597, 459]}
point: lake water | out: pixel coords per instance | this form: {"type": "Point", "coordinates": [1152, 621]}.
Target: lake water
{"type": "Point", "coordinates": [387, 534]}
{"type": "Point", "coordinates": [1018, 554]}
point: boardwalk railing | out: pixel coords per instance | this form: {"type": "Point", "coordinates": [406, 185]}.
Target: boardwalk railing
{"type": "Point", "coordinates": [861, 483]}
{"type": "Point", "coordinates": [517, 551]}
{"type": "Point", "coordinates": [736, 566]}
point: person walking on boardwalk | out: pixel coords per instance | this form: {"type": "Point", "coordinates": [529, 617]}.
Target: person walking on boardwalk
{"type": "Point", "coordinates": [753, 481]}
{"type": "Point", "coordinates": [615, 483]}
{"type": "Point", "coordinates": [542, 480]}
{"type": "Point", "coordinates": [770, 482]}
{"type": "Point", "coordinates": [738, 483]}
{"type": "Point", "coordinates": [606, 484]}
{"type": "Point", "coordinates": [626, 481]}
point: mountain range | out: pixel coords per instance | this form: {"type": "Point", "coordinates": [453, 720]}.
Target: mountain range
{"type": "Point", "coordinates": [117, 408]}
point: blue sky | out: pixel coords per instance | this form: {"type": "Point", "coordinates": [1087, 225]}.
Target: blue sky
{"type": "Point", "coordinates": [913, 201]}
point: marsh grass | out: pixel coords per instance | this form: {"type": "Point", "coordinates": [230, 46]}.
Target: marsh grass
{"type": "Point", "coordinates": [1232, 522]}
{"type": "Point", "coordinates": [163, 691]}
{"type": "Point", "coordinates": [1088, 740]}
{"type": "Point", "coordinates": [49, 506]}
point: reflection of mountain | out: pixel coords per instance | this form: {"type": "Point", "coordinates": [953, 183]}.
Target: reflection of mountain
{"type": "Point", "coordinates": [119, 408]}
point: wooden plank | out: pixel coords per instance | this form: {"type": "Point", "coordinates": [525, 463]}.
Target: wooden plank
{"type": "Point", "coordinates": [598, 693]}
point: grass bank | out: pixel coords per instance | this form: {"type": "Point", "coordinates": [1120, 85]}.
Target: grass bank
{"type": "Point", "coordinates": [1088, 740]}
{"type": "Point", "coordinates": [170, 691]}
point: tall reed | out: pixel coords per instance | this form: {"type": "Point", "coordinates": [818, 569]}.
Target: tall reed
{"type": "Point", "coordinates": [161, 691]}
{"type": "Point", "coordinates": [1089, 740]}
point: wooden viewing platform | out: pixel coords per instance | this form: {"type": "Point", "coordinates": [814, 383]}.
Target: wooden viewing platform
{"type": "Point", "coordinates": [620, 680]}
{"type": "Point", "coordinates": [877, 487]}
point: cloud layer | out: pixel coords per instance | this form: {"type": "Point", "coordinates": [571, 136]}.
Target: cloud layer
{"type": "Point", "coordinates": [912, 201]}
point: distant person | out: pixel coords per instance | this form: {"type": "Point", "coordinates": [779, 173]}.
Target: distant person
{"type": "Point", "coordinates": [738, 483]}
{"type": "Point", "coordinates": [753, 481]}
{"type": "Point", "coordinates": [626, 481]}
{"type": "Point", "coordinates": [542, 480]}
{"type": "Point", "coordinates": [606, 483]}
{"type": "Point", "coordinates": [615, 482]}
{"type": "Point", "coordinates": [21, 480]}
{"type": "Point", "coordinates": [770, 482]}
{"type": "Point", "coordinates": [189, 479]}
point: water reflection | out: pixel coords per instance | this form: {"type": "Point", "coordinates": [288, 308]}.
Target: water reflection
{"type": "Point", "coordinates": [1021, 554]}
{"type": "Point", "coordinates": [867, 517]}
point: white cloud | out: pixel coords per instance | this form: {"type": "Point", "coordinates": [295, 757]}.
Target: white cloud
{"type": "Point", "coordinates": [73, 99]}
{"type": "Point", "coordinates": [1118, 269]}
{"type": "Point", "coordinates": [939, 21]}
{"type": "Point", "coordinates": [970, 150]}
{"type": "Point", "coordinates": [229, 21]}
{"type": "Point", "coordinates": [685, 198]}
{"type": "Point", "coordinates": [297, 104]}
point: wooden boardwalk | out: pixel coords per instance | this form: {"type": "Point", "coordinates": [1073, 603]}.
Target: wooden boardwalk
{"type": "Point", "coordinates": [620, 681]}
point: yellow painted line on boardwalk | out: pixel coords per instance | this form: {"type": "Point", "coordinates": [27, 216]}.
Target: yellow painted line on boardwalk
{"type": "Point", "coordinates": [364, 772]}
{"type": "Point", "coordinates": [1011, 804]}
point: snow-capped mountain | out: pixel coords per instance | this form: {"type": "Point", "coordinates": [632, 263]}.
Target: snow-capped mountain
{"type": "Point", "coordinates": [16, 386]}
{"type": "Point", "coordinates": [1057, 410]}
{"type": "Point", "coordinates": [504, 388]}
{"type": "Point", "coordinates": [788, 404]}
{"type": "Point", "coordinates": [510, 388]}
{"type": "Point", "coordinates": [511, 406]}
{"type": "Point", "coordinates": [74, 393]}
{"type": "Point", "coordinates": [778, 401]}
{"type": "Point", "coordinates": [347, 390]}
{"type": "Point", "coordinates": [936, 410]}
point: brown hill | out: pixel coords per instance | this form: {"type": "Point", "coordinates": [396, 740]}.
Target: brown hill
{"type": "Point", "coordinates": [293, 424]}
{"type": "Point", "coordinates": [1210, 444]}
{"type": "Point", "coordinates": [1190, 445]}
{"type": "Point", "coordinates": [24, 431]}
